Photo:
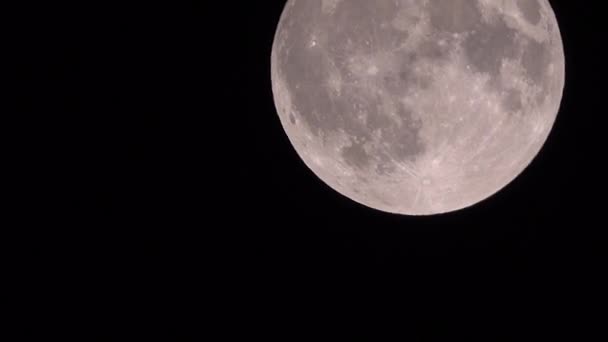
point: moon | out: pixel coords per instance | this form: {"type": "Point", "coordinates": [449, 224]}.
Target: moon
{"type": "Point", "coordinates": [417, 107]}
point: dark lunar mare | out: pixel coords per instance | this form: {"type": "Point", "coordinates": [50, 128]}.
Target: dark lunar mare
{"type": "Point", "coordinates": [354, 29]}
{"type": "Point", "coordinates": [488, 44]}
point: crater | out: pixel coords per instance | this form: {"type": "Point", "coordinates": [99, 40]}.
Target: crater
{"type": "Point", "coordinates": [512, 101]}
{"type": "Point", "coordinates": [535, 60]}
{"type": "Point", "coordinates": [385, 164]}
{"type": "Point", "coordinates": [488, 44]}
{"type": "Point", "coordinates": [530, 10]}
{"type": "Point", "coordinates": [355, 155]}
{"type": "Point", "coordinates": [454, 15]}
{"type": "Point", "coordinates": [329, 6]}
{"type": "Point", "coordinates": [404, 141]}
{"type": "Point", "coordinates": [398, 80]}
{"type": "Point", "coordinates": [405, 77]}
{"type": "Point", "coordinates": [408, 16]}
{"type": "Point", "coordinates": [433, 49]}
{"type": "Point", "coordinates": [356, 24]}
{"type": "Point", "coordinates": [378, 120]}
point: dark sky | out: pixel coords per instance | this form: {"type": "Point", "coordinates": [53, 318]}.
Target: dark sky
{"type": "Point", "coordinates": [525, 228]}
{"type": "Point", "coordinates": [180, 176]}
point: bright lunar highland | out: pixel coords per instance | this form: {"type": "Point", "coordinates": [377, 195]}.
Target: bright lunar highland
{"type": "Point", "coordinates": [417, 107]}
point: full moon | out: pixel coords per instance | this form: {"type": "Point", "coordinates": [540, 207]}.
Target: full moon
{"type": "Point", "coordinates": [417, 107]}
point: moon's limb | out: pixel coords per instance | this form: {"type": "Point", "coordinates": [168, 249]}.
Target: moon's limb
{"type": "Point", "coordinates": [414, 106]}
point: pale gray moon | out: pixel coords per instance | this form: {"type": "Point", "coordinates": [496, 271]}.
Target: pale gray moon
{"type": "Point", "coordinates": [417, 107]}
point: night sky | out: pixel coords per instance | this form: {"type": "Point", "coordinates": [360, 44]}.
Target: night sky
{"type": "Point", "coordinates": [179, 187]}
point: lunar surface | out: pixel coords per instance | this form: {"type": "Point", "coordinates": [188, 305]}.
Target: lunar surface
{"type": "Point", "coordinates": [417, 107]}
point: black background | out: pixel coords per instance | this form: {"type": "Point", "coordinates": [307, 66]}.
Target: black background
{"type": "Point", "coordinates": [173, 184]}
